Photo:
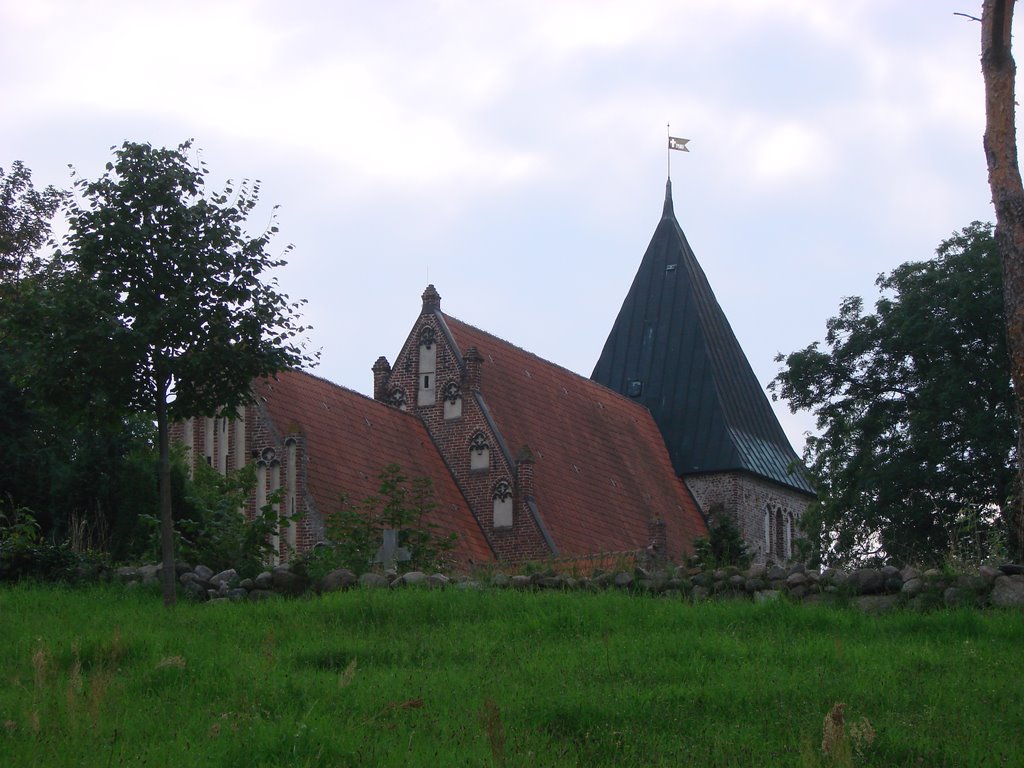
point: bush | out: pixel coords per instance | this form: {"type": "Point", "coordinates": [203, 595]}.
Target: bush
{"type": "Point", "coordinates": [214, 530]}
{"type": "Point", "coordinates": [723, 546]}
{"type": "Point", "coordinates": [355, 532]}
{"type": "Point", "coordinates": [23, 555]}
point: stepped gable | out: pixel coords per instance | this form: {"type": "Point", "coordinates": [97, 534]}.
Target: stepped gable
{"type": "Point", "coordinates": [601, 472]}
{"type": "Point", "coordinates": [350, 438]}
{"type": "Point", "coordinates": [672, 350]}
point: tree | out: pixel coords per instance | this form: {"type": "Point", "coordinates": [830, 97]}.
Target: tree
{"type": "Point", "coordinates": [157, 303]}
{"type": "Point", "coordinates": [999, 71]}
{"type": "Point", "coordinates": [25, 216]}
{"type": "Point", "coordinates": [915, 410]}
{"type": "Point", "coordinates": [25, 225]}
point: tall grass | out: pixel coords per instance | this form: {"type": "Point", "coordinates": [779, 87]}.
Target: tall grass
{"type": "Point", "coordinates": [103, 677]}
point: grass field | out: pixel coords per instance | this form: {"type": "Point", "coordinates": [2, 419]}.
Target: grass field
{"type": "Point", "coordinates": [105, 677]}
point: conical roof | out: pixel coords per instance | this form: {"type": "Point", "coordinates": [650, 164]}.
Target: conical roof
{"type": "Point", "coordinates": [672, 349]}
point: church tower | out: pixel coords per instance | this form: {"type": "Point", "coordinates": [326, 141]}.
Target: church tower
{"type": "Point", "coordinates": [672, 350]}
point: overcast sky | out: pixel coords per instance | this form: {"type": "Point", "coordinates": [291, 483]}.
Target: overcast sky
{"type": "Point", "coordinates": [513, 153]}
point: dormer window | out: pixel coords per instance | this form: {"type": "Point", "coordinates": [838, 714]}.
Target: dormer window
{"type": "Point", "coordinates": [479, 453]}
{"type": "Point", "coordinates": [428, 367]}
{"type": "Point", "coordinates": [452, 400]}
{"type": "Point", "coordinates": [502, 498]}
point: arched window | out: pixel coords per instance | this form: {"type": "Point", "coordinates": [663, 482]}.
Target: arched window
{"type": "Point", "coordinates": [479, 452]}
{"type": "Point", "coordinates": [502, 497]}
{"type": "Point", "coordinates": [452, 400]}
{"type": "Point", "coordinates": [768, 530]}
{"type": "Point", "coordinates": [787, 533]}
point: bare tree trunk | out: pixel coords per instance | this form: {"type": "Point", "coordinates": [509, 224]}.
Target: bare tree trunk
{"type": "Point", "coordinates": [168, 576]}
{"type": "Point", "coordinates": [999, 70]}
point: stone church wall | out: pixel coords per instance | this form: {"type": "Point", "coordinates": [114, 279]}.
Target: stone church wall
{"type": "Point", "coordinates": [766, 514]}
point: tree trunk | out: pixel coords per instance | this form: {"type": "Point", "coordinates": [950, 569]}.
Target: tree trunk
{"type": "Point", "coordinates": [999, 70]}
{"type": "Point", "coordinates": [168, 577]}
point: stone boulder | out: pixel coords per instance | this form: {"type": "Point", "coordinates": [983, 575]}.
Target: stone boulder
{"type": "Point", "coordinates": [1008, 592]}
{"type": "Point", "coordinates": [373, 581]}
{"type": "Point", "coordinates": [866, 581]}
{"type": "Point", "coordinates": [876, 603]}
{"type": "Point", "coordinates": [337, 580]}
{"type": "Point", "coordinates": [227, 577]}
{"type": "Point", "coordinates": [287, 582]}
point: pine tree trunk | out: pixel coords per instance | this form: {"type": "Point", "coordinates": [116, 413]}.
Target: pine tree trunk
{"type": "Point", "coordinates": [999, 70]}
{"type": "Point", "coordinates": [168, 576]}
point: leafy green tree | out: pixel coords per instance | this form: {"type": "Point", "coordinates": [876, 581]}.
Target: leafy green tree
{"type": "Point", "coordinates": [157, 303]}
{"type": "Point", "coordinates": [916, 452]}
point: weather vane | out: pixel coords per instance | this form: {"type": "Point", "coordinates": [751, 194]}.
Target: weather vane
{"type": "Point", "coordinates": [673, 143]}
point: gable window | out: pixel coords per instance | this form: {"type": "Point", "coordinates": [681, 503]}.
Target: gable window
{"type": "Point", "coordinates": [479, 453]}
{"type": "Point", "coordinates": [428, 367]}
{"type": "Point", "coordinates": [502, 497]}
{"type": "Point", "coordinates": [452, 400]}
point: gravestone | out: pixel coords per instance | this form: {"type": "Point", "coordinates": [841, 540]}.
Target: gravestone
{"type": "Point", "coordinates": [390, 553]}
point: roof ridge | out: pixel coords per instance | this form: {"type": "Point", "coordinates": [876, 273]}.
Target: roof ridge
{"type": "Point", "coordinates": [345, 389]}
{"type": "Point", "coordinates": [583, 379]}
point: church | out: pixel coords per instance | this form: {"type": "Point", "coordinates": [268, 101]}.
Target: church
{"type": "Point", "coordinates": [529, 461]}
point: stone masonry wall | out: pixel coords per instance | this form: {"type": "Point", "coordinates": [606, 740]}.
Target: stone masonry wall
{"type": "Point", "coordinates": [747, 499]}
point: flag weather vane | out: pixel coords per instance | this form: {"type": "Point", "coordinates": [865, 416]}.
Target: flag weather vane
{"type": "Point", "coordinates": [674, 143]}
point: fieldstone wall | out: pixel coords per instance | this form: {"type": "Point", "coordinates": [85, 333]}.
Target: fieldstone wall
{"type": "Point", "coordinates": [870, 589]}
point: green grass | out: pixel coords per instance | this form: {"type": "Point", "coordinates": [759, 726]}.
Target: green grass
{"type": "Point", "coordinates": [102, 677]}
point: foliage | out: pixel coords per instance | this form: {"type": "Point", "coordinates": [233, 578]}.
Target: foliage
{"type": "Point", "coordinates": [211, 526]}
{"type": "Point", "coordinates": [355, 531]}
{"type": "Point", "coordinates": [914, 409]}
{"type": "Point", "coordinates": [25, 216]}
{"type": "Point", "coordinates": [24, 555]}
{"type": "Point", "coordinates": [576, 679]}
{"type": "Point", "coordinates": [723, 546]}
{"type": "Point", "coordinates": [214, 529]}
{"type": "Point", "coordinates": [157, 303]}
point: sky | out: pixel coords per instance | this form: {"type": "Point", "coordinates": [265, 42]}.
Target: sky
{"type": "Point", "coordinates": [513, 153]}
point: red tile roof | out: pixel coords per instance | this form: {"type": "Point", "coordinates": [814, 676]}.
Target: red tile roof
{"type": "Point", "coordinates": [351, 438]}
{"type": "Point", "coordinates": [602, 471]}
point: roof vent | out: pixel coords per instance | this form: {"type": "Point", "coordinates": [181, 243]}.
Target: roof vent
{"type": "Point", "coordinates": [670, 267]}
{"type": "Point", "coordinates": [635, 388]}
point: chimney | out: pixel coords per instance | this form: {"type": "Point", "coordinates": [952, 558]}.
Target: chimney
{"type": "Point", "coordinates": [431, 300]}
{"type": "Point", "coordinates": [471, 374]}
{"type": "Point", "coordinates": [381, 374]}
{"type": "Point", "coordinates": [524, 473]}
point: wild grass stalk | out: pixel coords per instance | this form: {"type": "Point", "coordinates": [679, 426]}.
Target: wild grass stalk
{"type": "Point", "coordinates": [106, 676]}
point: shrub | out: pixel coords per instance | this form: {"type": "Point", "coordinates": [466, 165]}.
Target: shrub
{"type": "Point", "coordinates": [723, 546]}
{"type": "Point", "coordinates": [355, 531]}
{"type": "Point", "coordinates": [214, 529]}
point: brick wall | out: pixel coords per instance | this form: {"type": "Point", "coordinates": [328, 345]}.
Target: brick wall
{"type": "Point", "coordinates": [453, 436]}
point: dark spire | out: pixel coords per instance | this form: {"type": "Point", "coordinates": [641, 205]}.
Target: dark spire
{"type": "Point", "coordinates": [672, 349]}
{"type": "Point", "coordinates": [668, 212]}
